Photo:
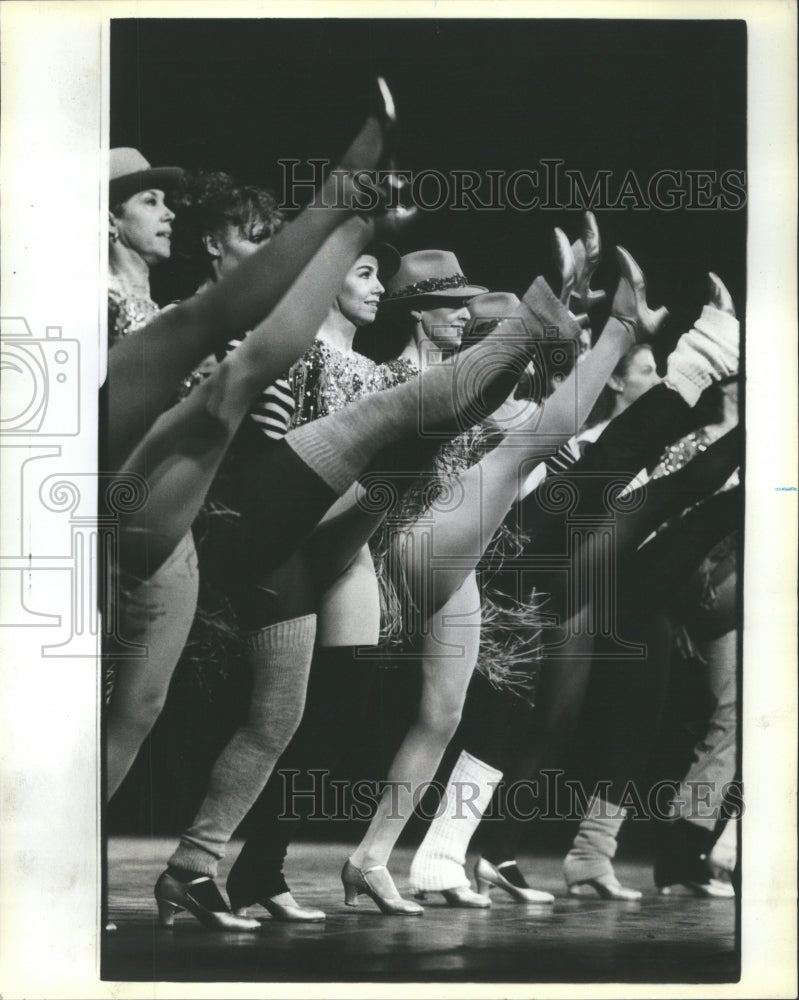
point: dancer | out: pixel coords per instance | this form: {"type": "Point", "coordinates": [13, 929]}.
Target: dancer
{"type": "Point", "coordinates": [155, 615]}
{"type": "Point", "coordinates": [632, 698]}
{"type": "Point", "coordinates": [139, 235]}
{"type": "Point", "coordinates": [707, 612]}
{"type": "Point", "coordinates": [276, 609]}
{"type": "Point", "coordinates": [159, 585]}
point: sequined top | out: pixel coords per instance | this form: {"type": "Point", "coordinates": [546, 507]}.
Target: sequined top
{"type": "Point", "coordinates": [126, 313]}
{"type": "Point", "coordinates": [681, 452]}
{"type": "Point", "coordinates": [326, 379]}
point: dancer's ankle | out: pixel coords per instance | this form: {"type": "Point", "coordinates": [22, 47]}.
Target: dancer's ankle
{"type": "Point", "coordinates": [184, 874]}
{"type": "Point", "coordinates": [497, 856]}
{"type": "Point", "coordinates": [505, 862]}
{"type": "Point", "coordinates": [509, 869]}
{"type": "Point", "coordinates": [365, 860]}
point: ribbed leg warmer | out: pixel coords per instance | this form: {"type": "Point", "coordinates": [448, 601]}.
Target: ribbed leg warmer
{"type": "Point", "coordinates": [439, 862]}
{"type": "Point", "coordinates": [281, 659]}
{"type": "Point", "coordinates": [594, 846]}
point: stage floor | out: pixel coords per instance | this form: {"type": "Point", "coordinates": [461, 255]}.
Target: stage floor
{"type": "Point", "coordinates": [659, 939]}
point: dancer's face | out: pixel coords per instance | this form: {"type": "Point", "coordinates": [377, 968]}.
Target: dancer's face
{"type": "Point", "coordinates": [640, 377]}
{"type": "Point", "coordinates": [144, 225]}
{"type": "Point", "coordinates": [444, 322]}
{"type": "Point", "coordinates": [360, 294]}
{"type": "Point", "coordinates": [234, 244]}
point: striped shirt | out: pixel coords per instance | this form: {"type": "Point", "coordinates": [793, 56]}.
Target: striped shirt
{"type": "Point", "coordinates": [274, 408]}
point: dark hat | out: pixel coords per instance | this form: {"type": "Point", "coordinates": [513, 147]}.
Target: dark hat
{"type": "Point", "coordinates": [130, 173]}
{"type": "Point", "coordinates": [430, 272]}
{"type": "Point", "coordinates": [387, 257]}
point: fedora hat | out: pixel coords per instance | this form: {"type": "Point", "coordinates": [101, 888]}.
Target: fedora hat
{"type": "Point", "coordinates": [387, 257]}
{"type": "Point", "coordinates": [430, 272]}
{"type": "Point", "coordinates": [130, 173]}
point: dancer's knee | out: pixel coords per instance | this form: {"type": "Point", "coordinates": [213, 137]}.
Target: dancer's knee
{"type": "Point", "coordinates": [138, 716]}
{"type": "Point", "coordinates": [439, 723]}
{"type": "Point", "coordinates": [270, 737]}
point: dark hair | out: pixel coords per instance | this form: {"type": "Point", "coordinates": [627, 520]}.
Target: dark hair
{"type": "Point", "coordinates": [602, 409]}
{"type": "Point", "coordinates": [210, 202]}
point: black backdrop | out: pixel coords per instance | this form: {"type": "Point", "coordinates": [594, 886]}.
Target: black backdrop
{"type": "Point", "coordinates": [471, 94]}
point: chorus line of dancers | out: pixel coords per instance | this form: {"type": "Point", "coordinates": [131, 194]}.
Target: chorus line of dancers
{"type": "Point", "coordinates": [332, 398]}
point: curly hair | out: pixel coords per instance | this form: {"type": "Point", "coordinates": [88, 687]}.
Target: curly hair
{"type": "Point", "coordinates": [210, 202]}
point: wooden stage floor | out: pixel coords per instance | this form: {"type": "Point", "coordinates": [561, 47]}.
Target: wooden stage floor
{"type": "Point", "coordinates": [659, 939]}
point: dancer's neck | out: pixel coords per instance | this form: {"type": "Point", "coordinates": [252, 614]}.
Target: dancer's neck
{"type": "Point", "coordinates": [129, 270]}
{"type": "Point", "coordinates": [422, 351]}
{"type": "Point", "coordinates": [337, 332]}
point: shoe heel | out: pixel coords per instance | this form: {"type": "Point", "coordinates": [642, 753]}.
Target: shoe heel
{"type": "Point", "coordinates": [420, 895]}
{"type": "Point", "coordinates": [483, 887]}
{"type": "Point", "coordinates": [166, 912]}
{"type": "Point", "coordinates": [351, 895]}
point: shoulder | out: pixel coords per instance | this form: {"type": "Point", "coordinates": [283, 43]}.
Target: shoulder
{"type": "Point", "coordinates": [396, 371]}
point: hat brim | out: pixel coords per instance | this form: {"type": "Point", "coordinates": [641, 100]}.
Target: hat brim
{"type": "Point", "coordinates": [157, 178]}
{"type": "Point", "coordinates": [464, 292]}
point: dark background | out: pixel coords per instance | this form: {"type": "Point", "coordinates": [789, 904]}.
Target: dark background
{"type": "Point", "coordinates": [479, 95]}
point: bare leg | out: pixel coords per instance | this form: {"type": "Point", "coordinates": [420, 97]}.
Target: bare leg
{"type": "Point", "coordinates": [445, 677]}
